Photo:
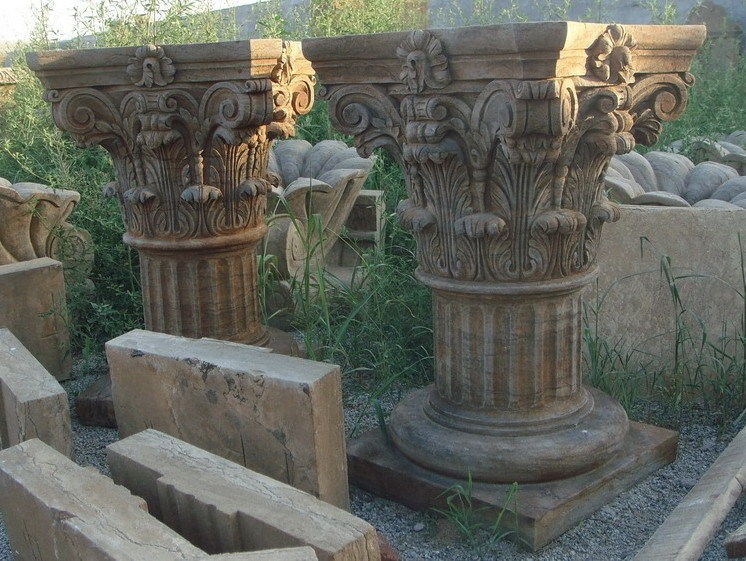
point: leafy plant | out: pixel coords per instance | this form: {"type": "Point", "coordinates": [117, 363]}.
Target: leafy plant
{"type": "Point", "coordinates": [473, 522]}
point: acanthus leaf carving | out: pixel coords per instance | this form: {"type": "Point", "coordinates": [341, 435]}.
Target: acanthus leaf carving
{"type": "Point", "coordinates": [178, 145]}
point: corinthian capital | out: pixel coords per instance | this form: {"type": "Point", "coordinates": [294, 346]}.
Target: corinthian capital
{"type": "Point", "coordinates": [504, 134]}
{"type": "Point", "coordinates": [188, 126]}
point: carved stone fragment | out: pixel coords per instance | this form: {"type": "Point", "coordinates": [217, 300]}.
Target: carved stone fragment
{"type": "Point", "coordinates": [55, 510]}
{"type": "Point", "coordinates": [222, 506]}
{"type": "Point", "coordinates": [33, 224]}
{"type": "Point", "coordinates": [189, 129]}
{"type": "Point", "coordinates": [322, 180]}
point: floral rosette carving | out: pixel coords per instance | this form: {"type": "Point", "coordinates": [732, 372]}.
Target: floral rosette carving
{"type": "Point", "coordinates": [504, 184]}
{"type": "Point", "coordinates": [151, 67]}
{"type": "Point", "coordinates": [610, 57]}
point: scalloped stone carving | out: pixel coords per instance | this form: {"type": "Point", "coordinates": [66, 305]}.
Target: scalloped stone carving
{"type": "Point", "coordinates": [323, 180]}
{"type": "Point", "coordinates": [33, 224]}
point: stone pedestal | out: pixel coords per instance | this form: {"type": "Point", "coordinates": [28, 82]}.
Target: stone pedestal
{"type": "Point", "coordinates": [504, 134]}
{"type": "Point", "coordinates": [189, 129]}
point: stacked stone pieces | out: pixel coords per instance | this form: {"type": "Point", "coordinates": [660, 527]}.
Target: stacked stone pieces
{"type": "Point", "coordinates": [671, 179]}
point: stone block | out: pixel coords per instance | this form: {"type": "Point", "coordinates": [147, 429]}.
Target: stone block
{"type": "Point", "coordinates": [222, 506]}
{"type": "Point", "coordinates": [278, 415]}
{"type": "Point", "coordinates": [32, 402]}
{"type": "Point", "coordinates": [638, 309]}
{"type": "Point", "coordinates": [33, 307]}
{"type": "Point", "coordinates": [56, 510]}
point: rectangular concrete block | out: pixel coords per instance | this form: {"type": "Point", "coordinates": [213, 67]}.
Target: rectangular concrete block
{"type": "Point", "coordinates": [33, 307]}
{"type": "Point", "coordinates": [278, 415]}
{"type": "Point", "coordinates": [222, 506]}
{"type": "Point", "coordinates": [32, 402]}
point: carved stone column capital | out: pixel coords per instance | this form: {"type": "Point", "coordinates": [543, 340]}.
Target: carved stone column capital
{"type": "Point", "coordinates": [504, 134]}
{"type": "Point", "coordinates": [188, 128]}
{"type": "Point", "coordinates": [522, 157]}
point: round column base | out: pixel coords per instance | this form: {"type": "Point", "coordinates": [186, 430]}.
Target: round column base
{"type": "Point", "coordinates": [525, 457]}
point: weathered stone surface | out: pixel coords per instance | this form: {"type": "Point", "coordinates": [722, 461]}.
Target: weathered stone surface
{"type": "Point", "coordinates": [8, 83]}
{"type": "Point", "coordinates": [662, 198]}
{"type": "Point", "coordinates": [704, 179]}
{"type": "Point", "coordinates": [735, 543]}
{"type": "Point", "coordinates": [730, 189]}
{"type": "Point", "coordinates": [739, 200]}
{"type": "Point", "coordinates": [738, 138]}
{"type": "Point", "coordinates": [544, 510]}
{"type": "Point", "coordinates": [716, 203]}
{"type": "Point", "coordinates": [670, 170]}
{"type": "Point", "coordinates": [32, 402]}
{"type": "Point", "coordinates": [279, 415]}
{"type": "Point", "coordinates": [388, 553]}
{"type": "Point", "coordinates": [56, 510]}
{"type": "Point", "coordinates": [322, 180]}
{"type": "Point", "coordinates": [284, 554]}
{"type": "Point", "coordinates": [622, 190]}
{"type": "Point", "coordinates": [732, 148]}
{"type": "Point", "coordinates": [640, 168]}
{"type": "Point", "coordinates": [222, 506]}
{"type": "Point", "coordinates": [638, 308]}
{"type": "Point", "coordinates": [95, 405]}
{"type": "Point", "coordinates": [33, 307]}
{"type": "Point", "coordinates": [33, 224]}
{"type": "Point", "coordinates": [192, 184]}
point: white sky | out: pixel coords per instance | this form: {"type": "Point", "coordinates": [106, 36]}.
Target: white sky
{"type": "Point", "coordinates": [18, 16]}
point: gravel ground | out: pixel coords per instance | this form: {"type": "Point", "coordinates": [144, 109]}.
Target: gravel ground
{"type": "Point", "coordinates": [615, 532]}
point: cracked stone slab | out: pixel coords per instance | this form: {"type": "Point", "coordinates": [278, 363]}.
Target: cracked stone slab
{"type": "Point", "coordinates": [33, 307]}
{"type": "Point", "coordinates": [275, 414]}
{"type": "Point", "coordinates": [55, 510]}
{"type": "Point", "coordinates": [32, 402]}
{"type": "Point", "coordinates": [222, 506]}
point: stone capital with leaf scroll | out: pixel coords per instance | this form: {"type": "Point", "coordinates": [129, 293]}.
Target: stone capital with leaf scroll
{"type": "Point", "coordinates": [190, 152]}
{"type": "Point", "coordinates": [505, 181]}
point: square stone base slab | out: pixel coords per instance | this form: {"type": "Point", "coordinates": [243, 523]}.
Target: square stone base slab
{"type": "Point", "coordinates": [544, 510]}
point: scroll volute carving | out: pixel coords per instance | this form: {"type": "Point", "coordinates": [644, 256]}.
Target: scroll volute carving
{"type": "Point", "coordinates": [504, 181]}
{"type": "Point", "coordinates": [190, 154]}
